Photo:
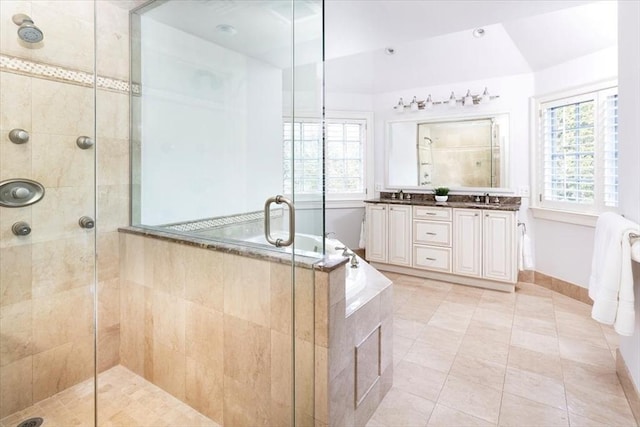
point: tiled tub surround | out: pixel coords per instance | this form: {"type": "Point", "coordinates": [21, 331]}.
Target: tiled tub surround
{"type": "Point", "coordinates": [46, 278]}
{"type": "Point", "coordinates": [213, 328]}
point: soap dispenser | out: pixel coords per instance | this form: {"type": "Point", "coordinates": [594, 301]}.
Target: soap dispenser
{"type": "Point", "coordinates": [400, 195]}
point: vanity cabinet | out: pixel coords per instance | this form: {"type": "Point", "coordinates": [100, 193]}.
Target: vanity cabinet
{"type": "Point", "coordinates": [389, 234]}
{"type": "Point", "coordinates": [432, 238]}
{"type": "Point", "coordinates": [399, 235]}
{"type": "Point", "coordinates": [377, 232]}
{"type": "Point", "coordinates": [467, 238]}
{"type": "Point", "coordinates": [499, 246]}
{"type": "Point", "coordinates": [463, 245]}
{"type": "Point", "coordinates": [484, 244]}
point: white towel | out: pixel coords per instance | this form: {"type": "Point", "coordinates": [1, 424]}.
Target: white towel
{"type": "Point", "coordinates": [363, 241]}
{"type": "Point", "coordinates": [611, 281]}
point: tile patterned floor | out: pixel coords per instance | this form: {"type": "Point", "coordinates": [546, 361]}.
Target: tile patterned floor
{"type": "Point", "coordinates": [463, 357]}
{"type": "Point", "coordinates": [470, 357]}
{"type": "Point", "coordinates": [124, 400]}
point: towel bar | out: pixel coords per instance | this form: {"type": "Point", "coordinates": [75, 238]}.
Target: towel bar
{"type": "Point", "coordinates": [524, 227]}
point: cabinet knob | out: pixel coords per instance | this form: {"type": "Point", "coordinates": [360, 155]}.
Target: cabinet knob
{"type": "Point", "coordinates": [486, 215]}
{"type": "Point", "coordinates": [390, 209]}
{"type": "Point", "coordinates": [430, 259]}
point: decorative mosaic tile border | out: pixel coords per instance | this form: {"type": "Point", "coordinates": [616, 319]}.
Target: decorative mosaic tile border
{"type": "Point", "coordinates": [209, 223]}
{"type": "Point", "coordinates": [61, 74]}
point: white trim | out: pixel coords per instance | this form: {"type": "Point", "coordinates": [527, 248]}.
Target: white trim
{"type": "Point", "coordinates": [557, 211]}
{"type": "Point", "coordinates": [575, 218]}
{"type": "Point", "coordinates": [346, 199]}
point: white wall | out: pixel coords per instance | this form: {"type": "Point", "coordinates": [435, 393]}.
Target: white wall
{"type": "Point", "coordinates": [629, 146]}
{"type": "Point", "coordinates": [564, 250]}
{"type": "Point", "coordinates": [211, 128]}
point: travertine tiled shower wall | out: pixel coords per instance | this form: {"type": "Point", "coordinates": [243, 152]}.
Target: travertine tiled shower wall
{"type": "Point", "coordinates": [46, 281]}
{"type": "Point", "coordinates": [214, 330]}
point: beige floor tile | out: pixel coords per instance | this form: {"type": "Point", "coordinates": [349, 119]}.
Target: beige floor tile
{"type": "Point", "coordinates": [419, 380]}
{"type": "Point", "coordinates": [407, 328]}
{"type": "Point", "coordinates": [538, 326]}
{"type": "Point", "coordinates": [400, 408]}
{"type": "Point", "coordinates": [517, 411]}
{"type": "Point", "coordinates": [535, 387]}
{"type": "Point", "coordinates": [532, 341]}
{"type": "Point", "coordinates": [446, 417]}
{"type": "Point", "coordinates": [471, 398]}
{"type": "Point", "coordinates": [441, 339]}
{"type": "Point", "coordinates": [401, 347]}
{"type": "Point", "coordinates": [579, 351]}
{"type": "Point", "coordinates": [536, 362]}
{"type": "Point", "coordinates": [482, 348]}
{"type": "Point", "coordinates": [430, 356]}
{"type": "Point", "coordinates": [481, 371]}
{"type": "Point", "coordinates": [452, 322]}
{"type": "Point", "coordinates": [580, 421]}
{"type": "Point", "coordinates": [601, 406]}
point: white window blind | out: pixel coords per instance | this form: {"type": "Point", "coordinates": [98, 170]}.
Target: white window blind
{"type": "Point", "coordinates": [344, 156]}
{"type": "Point", "coordinates": [578, 152]}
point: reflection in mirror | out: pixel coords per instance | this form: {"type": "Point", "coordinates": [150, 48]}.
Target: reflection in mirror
{"type": "Point", "coordinates": [462, 153]}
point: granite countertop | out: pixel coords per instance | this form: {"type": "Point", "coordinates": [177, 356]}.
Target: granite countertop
{"type": "Point", "coordinates": [320, 263]}
{"type": "Point", "coordinates": [463, 202]}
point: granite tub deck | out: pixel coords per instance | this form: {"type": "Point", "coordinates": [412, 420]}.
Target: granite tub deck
{"type": "Point", "coordinates": [210, 323]}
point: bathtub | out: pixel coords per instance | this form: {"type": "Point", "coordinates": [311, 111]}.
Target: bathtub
{"type": "Point", "coordinates": [361, 284]}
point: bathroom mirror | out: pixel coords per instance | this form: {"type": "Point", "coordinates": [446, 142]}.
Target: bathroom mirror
{"type": "Point", "coordinates": [461, 153]}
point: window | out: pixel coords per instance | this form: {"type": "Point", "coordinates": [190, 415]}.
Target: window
{"type": "Point", "coordinates": [578, 152]}
{"type": "Point", "coordinates": [344, 154]}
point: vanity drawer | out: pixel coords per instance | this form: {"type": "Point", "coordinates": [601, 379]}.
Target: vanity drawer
{"type": "Point", "coordinates": [434, 214]}
{"type": "Point", "coordinates": [431, 258]}
{"type": "Point", "coordinates": [432, 233]}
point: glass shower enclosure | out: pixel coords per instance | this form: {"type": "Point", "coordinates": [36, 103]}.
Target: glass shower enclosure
{"type": "Point", "coordinates": [157, 246]}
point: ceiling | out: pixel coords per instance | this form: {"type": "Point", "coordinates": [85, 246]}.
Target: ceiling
{"type": "Point", "coordinates": [432, 38]}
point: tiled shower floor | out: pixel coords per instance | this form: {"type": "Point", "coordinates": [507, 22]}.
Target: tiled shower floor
{"type": "Point", "coordinates": [124, 400]}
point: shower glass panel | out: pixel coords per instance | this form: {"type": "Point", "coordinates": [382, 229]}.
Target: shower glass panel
{"type": "Point", "coordinates": [47, 265]}
{"type": "Point", "coordinates": [211, 312]}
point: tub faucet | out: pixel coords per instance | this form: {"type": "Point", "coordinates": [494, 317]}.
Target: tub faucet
{"type": "Point", "coordinates": [354, 260]}
{"type": "Point", "coordinates": [345, 250]}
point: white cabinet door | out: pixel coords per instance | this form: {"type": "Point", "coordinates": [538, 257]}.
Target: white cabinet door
{"type": "Point", "coordinates": [399, 233]}
{"type": "Point", "coordinates": [467, 242]}
{"type": "Point", "coordinates": [499, 246]}
{"type": "Point", "coordinates": [376, 232]}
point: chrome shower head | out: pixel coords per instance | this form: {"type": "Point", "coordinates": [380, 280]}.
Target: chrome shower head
{"type": "Point", "coordinates": [28, 31]}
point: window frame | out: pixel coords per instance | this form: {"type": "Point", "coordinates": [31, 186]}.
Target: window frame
{"type": "Point", "coordinates": [342, 200]}
{"type": "Point", "coordinates": [579, 214]}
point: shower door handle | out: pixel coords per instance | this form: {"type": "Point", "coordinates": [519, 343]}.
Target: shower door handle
{"type": "Point", "coordinates": [267, 221]}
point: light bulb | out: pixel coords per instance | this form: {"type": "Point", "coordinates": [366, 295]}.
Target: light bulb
{"type": "Point", "coordinates": [452, 100]}
{"type": "Point", "coordinates": [468, 99]}
{"type": "Point", "coordinates": [400, 107]}
{"type": "Point", "coordinates": [428, 104]}
{"type": "Point", "coordinates": [486, 98]}
{"type": "Point", "coordinates": [414, 104]}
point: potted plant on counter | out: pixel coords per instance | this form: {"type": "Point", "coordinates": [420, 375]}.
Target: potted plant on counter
{"type": "Point", "coordinates": [442, 194]}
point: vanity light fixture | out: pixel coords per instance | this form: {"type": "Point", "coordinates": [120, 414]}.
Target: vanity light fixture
{"type": "Point", "coordinates": [469, 100]}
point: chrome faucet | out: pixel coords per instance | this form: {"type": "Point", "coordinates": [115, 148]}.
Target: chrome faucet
{"type": "Point", "coordinates": [345, 250]}
{"type": "Point", "coordinates": [354, 260]}
{"type": "Point", "coordinates": [486, 198]}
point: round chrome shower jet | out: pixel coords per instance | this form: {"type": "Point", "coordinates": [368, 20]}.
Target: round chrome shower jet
{"type": "Point", "coordinates": [28, 31]}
